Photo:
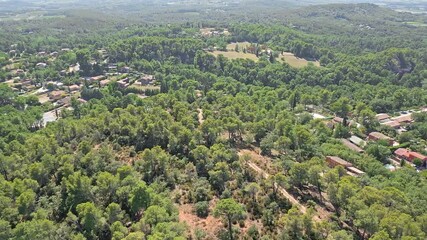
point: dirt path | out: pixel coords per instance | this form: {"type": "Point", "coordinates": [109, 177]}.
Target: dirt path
{"type": "Point", "coordinates": [281, 190]}
{"type": "Point", "coordinates": [256, 160]}
{"type": "Point", "coordinates": [200, 116]}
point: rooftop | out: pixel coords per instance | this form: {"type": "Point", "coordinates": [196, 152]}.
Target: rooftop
{"type": "Point", "coordinates": [352, 146]}
{"type": "Point", "coordinates": [418, 155]}
{"type": "Point", "coordinates": [401, 152]}
{"type": "Point", "coordinates": [393, 124]}
{"type": "Point", "coordinates": [358, 141]}
{"type": "Point", "coordinates": [379, 135]}
{"type": "Point", "coordinates": [356, 170]}
{"type": "Point", "coordinates": [382, 116]}
{"type": "Point", "coordinates": [403, 118]}
{"type": "Point", "coordinates": [340, 161]}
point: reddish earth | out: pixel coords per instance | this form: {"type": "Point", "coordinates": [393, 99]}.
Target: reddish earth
{"type": "Point", "coordinates": [210, 224]}
{"type": "Point", "coordinates": [259, 163]}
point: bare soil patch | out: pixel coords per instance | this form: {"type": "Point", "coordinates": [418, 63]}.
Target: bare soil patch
{"type": "Point", "coordinates": [209, 225]}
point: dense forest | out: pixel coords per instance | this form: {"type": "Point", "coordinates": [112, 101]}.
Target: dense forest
{"type": "Point", "coordinates": [156, 136]}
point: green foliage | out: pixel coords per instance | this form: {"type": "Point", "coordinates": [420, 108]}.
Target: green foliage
{"type": "Point", "coordinates": [108, 168]}
{"type": "Point", "coordinates": [230, 210]}
{"type": "Point", "coordinates": [202, 209]}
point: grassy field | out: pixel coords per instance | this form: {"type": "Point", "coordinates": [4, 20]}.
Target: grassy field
{"type": "Point", "coordinates": [294, 61]}
{"type": "Point", "coordinates": [417, 24]}
{"type": "Point", "coordinates": [235, 55]}
{"type": "Point", "coordinates": [144, 87]}
{"type": "Point", "coordinates": [242, 45]}
{"type": "Point", "coordinates": [43, 98]}
{"type": "Point", "coordinates": [289, 58]}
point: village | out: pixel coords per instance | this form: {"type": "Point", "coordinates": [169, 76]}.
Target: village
{"type": "Point", "coordinates": [56, 93]}
{"type": "Point", "coordinates": [400, 156]}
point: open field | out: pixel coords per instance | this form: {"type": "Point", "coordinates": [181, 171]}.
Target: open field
{"type": "Point", "coordinates": [294, 61]}
{"type": "Point", "coordinates": [235, 55]}
{"type": "Point", "coordinates": [242, 45]}
{"type": "Point", "coordinates": [417, 24]}
{"type": "Point", "coordinates": [43, 98]}
{"type": "Point", "coordinates": [31, 15]}
{"type": "Point", "coordinates": [206, 30]}
{"type": "Point", "coordinates": [144, 87]}
{"type": "Point", "coordinates": [287, 57]}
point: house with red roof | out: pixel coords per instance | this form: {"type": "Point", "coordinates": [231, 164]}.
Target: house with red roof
{"type": "Point", "coordinates": [334, 161]}
{"type": "Point", "coordinates": [408, 155]}
{"type": "Point", "coordinates": [407, 118]}
{"type": "Point", "coordinates": [393, 124]}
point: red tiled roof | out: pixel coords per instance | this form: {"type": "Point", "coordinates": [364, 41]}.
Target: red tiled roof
{"type": "Point", "coordinates": [417, 155]}
{"type": "Point", "coordinates": [403, 118]}
{"type": "Point", "coordinates": [352, 146]}
{"type": "Point", "coordinates": [401, 152]}
{"type": "Point", "coordinates": [379, 135]}
{"type": "Point", "coordinates": [392, 124]}
{"type": "Point", "coordinates": [338, 119]}
{"type": "Point", "coordinates": [340, 161]}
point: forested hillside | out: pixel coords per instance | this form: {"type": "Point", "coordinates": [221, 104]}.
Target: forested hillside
{"type": "Point", "coordinates": [116, 129]}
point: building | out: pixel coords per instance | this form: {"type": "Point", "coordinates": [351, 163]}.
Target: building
{"type": "Point", "coordinates": [402, 153]}
{"type": "Point", "coordinates": [64, 101]}
{"type": "Point", "coordinates": [74, 88]}
{"type": "Point", "coordinates": [334, 161]}
{"type": "Point", "coordinates": [97, 78]}
{"type": "Point", "coordinates": [124, 83]}
{"type": "Point", "coordinates": [104, 83]}
{"type": "Point", "coordinates": [357, 141]}
{"type": "Point", "coordinates": [125, 69]}
{"type": "Point", "coordinates": [56, 95]}
{"type": "Point", "coordinates": [416, 155]}
{"type": "Point", "coordinates": [393, 124]}
{"type": "Point", "coordinates": [355, 172]}
{"type": "Point", "coordinates": [408, 155]}
{"type": "Point", "coordinates": [112, 67]}
{"type": "Point", "coordinates": [407, 118]}
{"type": "Point", "coordinates": [81, 100]}
{"type": "Point", "coordinates": [26, 82]}
{"type": "Point", "coordinates": [377, 136]}
{"type": "Point", "coordinates": [41, 65]}
{"type": "Point", "coordinates": [54, 54]}
{"type": "Point", "coordinates": [382, 117]}
{"type": "Point", "coordinates": [352, 146]}
{"type": "Point", "coordinates": [338, 120]}
{"type": "Point", "coordinates": [147, 80]}
{"type": "Point", "coordinates": [41, 54]}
